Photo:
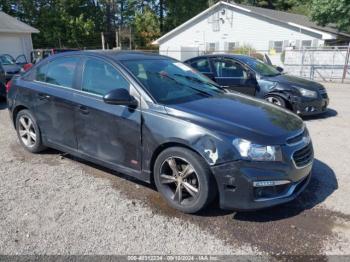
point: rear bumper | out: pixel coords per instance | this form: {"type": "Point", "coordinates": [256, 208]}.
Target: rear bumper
{"type": "Point", "coordinates": [238, 191]}
{"type": "Point", "coordinates": [2, 90]}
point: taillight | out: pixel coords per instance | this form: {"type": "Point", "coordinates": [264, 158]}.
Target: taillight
{"type": "Point", "coordinates": [28, 66]}
{"type": "Point", "coordinates": [8, 86]}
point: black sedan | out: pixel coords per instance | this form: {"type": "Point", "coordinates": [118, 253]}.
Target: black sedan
{"type": "Point", "coordinates": [158, 120]}
{"type": "Point", "coordinates": [2, 82]}
{"type": "Point", "coordinates": [251, 76]}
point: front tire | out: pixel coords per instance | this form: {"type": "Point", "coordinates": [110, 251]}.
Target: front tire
{"type": "Point", "coordinates": [276, 100]}
{"type": "Point", "coordinates": [28, 132]}
{"type": "Point", "coordinates": [184, 179]}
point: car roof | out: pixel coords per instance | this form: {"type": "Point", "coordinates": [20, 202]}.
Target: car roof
{"type": "Point", "coordinates": [116, 55]}
{"type": "Point", "coordinates": [236, 56]}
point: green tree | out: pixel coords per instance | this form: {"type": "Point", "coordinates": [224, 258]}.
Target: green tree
{"type": "Point", "coordinates": [70, 23]}
{"type": "Point", "coordinates": [179, 11]}
{"type": "Point", "coordinates": [332, 11]}
{"type": "Point", "coordinates": [146, 28]}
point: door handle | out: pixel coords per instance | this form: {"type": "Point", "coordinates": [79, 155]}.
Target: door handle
{"type": "Point", "coordinates": [43, 96]}
{"type": "Point", "coordinates": [84, 110]}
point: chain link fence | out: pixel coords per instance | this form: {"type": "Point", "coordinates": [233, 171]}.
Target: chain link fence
{"type": "Point", "coordinates": [328, 64]}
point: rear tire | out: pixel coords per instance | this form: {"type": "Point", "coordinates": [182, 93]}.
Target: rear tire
{"type": "Point", "coordinates": [276, 100]}
{"type": "Point", "coordinates": [184, 179]}
{"type": "Point", "coordinates": [28, 132]}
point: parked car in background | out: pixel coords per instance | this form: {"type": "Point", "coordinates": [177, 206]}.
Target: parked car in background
{"type": "Point", "coordinates": [157, 119]}
{"type": "Point", "coordinates": [253, 77]}
{"type": "Point", "coordinates": [38, 54]}
{"type": "Point", "coordinates": [2, 82]}
{"type": "Point", "coordinates": [9, 66]}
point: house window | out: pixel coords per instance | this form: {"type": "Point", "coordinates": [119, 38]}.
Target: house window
{"type": "Point", "coordinates": [232, 46]}
{"type": "Point", "coordinates": [278, 46]}
{"type": "Point", "coordinates": [306, 43]}
{"type": "Point", "coordinates": [211, 47]}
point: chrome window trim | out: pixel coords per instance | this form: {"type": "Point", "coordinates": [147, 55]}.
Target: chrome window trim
{"type": "Point", "coordinates": [68, 88]}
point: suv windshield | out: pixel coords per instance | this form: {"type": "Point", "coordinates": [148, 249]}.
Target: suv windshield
{"type": "Point", "coordinates": [7, 60]}
{"type": "Point", "coordinates": [169, 81]}
{"type": "Point", "coordinates": [261, 68]}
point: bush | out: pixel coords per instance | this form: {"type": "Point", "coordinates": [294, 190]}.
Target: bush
{"type": "Point", "coordinates": [258, 56]}
{"type": "Point", "coordinates": [244, 50]}
{"type": "Point", "coordinates": [248, 50]}
{"type": "Point", "coordinates": [283, 56]}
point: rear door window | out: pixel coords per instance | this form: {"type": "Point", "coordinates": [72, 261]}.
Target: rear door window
{"type": "Point", "coordinates": [202, 65]}
{"type": "Point", "coordinates": [61, 71]}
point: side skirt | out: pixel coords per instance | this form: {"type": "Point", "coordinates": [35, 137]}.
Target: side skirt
{"type": "Point", "coordinates": [140, 175]}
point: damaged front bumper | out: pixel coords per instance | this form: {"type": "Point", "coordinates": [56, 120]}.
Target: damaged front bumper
{"type": "Point", "coordinates": [248, 185]}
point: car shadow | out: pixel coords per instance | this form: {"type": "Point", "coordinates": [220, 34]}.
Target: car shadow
{"type": "Point", "coordinates": [3, 104]}
{"type": "Point", "coordinates": [322, 184]}
{"type": "Point", "coordinates": [328, 114]}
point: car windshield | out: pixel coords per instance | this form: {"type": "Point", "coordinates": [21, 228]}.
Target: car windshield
{"type": "Point", "coordinates": [7, 60]}
{"type": "Point", "coordinates": [169, 81]}
{"type": "Point", "coordinates": [261, 68]}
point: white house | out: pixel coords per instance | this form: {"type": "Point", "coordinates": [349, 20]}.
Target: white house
{"type": "Point", "coordinates": [15, 36]}
{"type": "Point", "coordinates": [226, 26]}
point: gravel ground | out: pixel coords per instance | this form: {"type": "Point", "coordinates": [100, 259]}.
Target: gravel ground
{"type": "Point", "coordinates": [52, 203]}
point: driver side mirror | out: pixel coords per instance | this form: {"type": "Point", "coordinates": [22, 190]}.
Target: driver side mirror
{"type": "Point", "coordinates": [279, 69]}
{"type": "Point", "coordinates": [120, 96]}
{"type": "Point", "coordinates": [251, 75]}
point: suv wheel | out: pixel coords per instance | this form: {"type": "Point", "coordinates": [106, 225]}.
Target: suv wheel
{"type": "Point", "coordinates": [184, 179]}
{"type": "Point", "coordinates": [276, 100]}
{"type": "Point", "coordinates": [28, 132]}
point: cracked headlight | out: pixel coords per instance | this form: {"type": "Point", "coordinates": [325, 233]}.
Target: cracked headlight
{"type": "Point", "coordinates": [256, 152]}
{"type": "Point", "coordinates": [307, 93]}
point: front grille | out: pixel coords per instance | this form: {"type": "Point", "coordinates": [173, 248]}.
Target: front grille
{"type": "Point", "coordinates": [303, 156]}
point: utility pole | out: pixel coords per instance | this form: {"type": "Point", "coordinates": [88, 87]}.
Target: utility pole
{"type": "Point", "coordinates": [103, 40]}
{"type": "Point", "coordinates": [130, 36]}
{"type": "Point", "coordinates": [117, 38]}
{"type": "Point", "coordinates": [346, 65]}
{"type": "Point", "coordinates": [161, 15]}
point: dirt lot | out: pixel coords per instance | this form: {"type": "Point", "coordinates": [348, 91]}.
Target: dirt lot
{"type": "Point", "coordinates": [54, 204]}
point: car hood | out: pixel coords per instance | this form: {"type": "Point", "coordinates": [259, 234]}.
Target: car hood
{"type": "Point", "coordinates": [11, 69]}
{"type": "Point", "coordinates": [240, 116]}
{"type": "Point", "coordinates": [296, 81]}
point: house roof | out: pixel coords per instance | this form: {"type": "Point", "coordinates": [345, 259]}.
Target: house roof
{"type": "Point", "coordinates": [294, 18]}
{"type": "Point", "coordinates": [299, 21]}
{"type": "Point", "coordinates": [9, 24]}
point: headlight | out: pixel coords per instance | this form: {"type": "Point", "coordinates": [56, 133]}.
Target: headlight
{"type": "Point", "coordinates": [307, 93]}
{"type": "Point", "coordinates": [256, 152]}
{"type": "Point", "coordinates": [268, 85]}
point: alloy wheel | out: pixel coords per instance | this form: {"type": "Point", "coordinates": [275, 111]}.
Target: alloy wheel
{"type": "Point", "coordinates": [180, 180]}
{"type": "Point", "coordinates": [26, 131]}
{"type": "Point", "coordinates": [274, 100]}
